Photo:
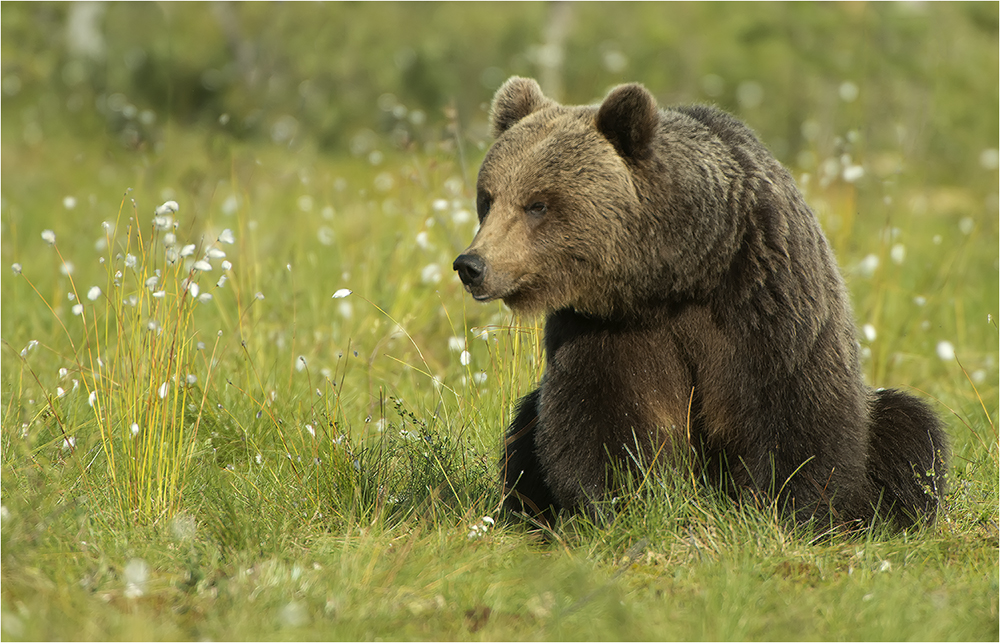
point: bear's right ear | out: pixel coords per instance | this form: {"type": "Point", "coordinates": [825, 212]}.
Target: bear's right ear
{"type": "Point", "coordinates": [628, 118]}
{"type": "Point", "coordinates": [515, 99]}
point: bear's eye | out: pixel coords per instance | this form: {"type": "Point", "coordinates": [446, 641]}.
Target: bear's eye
{"type": "Point", "coordinates": [483, 203]}
{"type": "Point", "coordinates": [537, 209]}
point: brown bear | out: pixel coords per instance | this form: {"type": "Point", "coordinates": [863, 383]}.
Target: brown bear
{"type": "Point", "coordinates": [692, 304]}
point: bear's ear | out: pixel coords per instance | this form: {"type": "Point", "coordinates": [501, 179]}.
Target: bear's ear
{"type": "Point", "coordinates": [628, 118]}
{"type": "Point", "coordinates": [515, 99]}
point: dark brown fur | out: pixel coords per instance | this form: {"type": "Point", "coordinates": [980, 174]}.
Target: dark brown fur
{"type": "Point", "coordinates": [692, 302]}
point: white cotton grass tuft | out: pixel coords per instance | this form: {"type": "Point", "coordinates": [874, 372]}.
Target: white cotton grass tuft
{"type": "Point", "coordinates": [94, 293]}
{"type": "Point", "coordinates": [853, 173]}
{"type": "Point", "coordinates": [183, 527]}
{"type": "Point", "coordinates": [202, 265]}
{"type": "Point", "coordinates": [163, 223]}
{"type": "Point", "coordinates": [168, 207]}
{"type": "Point", "coordinates": [294, 614]}
{"type": "Point", "coordinates": [848, 91]}
{"type": "Point", "coordinates": [431, 274]}
{"type": "Point", "coordinates": [49, 237]}
{"type": "Point", "coordinates": [869, 332]}
{"type": "Point", "coordinates": [989, 158]}
{"type": "Point", "coordinates": [30, 347]}
{"type": "Point", "coordinates": [480, 528]}
{"type": "Point", "coordinates": [343, 292]}
{"type": "Point", "coordinates": [136, 573]}
{"type": "Point", "coordinates": [226, 236]}
{"type": "Point", "coordinates": [868, 265]}
{"type": "Point", "coordinates": [945, 351]}
{"type": "Point", "coordinates": [898, 254]}
{"type": "Point", "coordinates": [325, 235]}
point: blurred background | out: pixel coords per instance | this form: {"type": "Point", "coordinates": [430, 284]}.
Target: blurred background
{"type": "Point", "coordinates": [914, 80]}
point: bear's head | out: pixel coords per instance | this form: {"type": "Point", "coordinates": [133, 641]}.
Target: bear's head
{"type": "Point", "coordinates": [562, 208]}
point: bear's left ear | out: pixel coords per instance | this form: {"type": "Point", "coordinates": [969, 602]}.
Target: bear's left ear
{"type": "Point", "coordinates": [628, 118]}
{"type": "Point", "coordinates": [515, 99]}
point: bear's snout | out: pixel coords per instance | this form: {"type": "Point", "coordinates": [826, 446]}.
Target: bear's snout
{"type": "Point", "coordinates": [471, 270]}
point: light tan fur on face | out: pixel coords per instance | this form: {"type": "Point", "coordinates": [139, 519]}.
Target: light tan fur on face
{"type": "Point", "coordinates": [540, 264]}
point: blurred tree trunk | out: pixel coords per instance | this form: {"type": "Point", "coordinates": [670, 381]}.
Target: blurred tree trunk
{"type": "Point", "coordinates": [553, 52]}
{"type": "Point", "coordinates": [84, 30]}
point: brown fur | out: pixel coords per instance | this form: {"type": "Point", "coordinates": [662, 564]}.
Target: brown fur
{"type": "Point", "coordinates": [691, 300]}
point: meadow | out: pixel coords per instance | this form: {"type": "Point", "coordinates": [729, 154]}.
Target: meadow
{"type": "Point", "coordinates": [244, 396]}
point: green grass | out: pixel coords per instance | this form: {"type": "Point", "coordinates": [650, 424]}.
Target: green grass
{"type": "Point", "coordinates": [327, 471]}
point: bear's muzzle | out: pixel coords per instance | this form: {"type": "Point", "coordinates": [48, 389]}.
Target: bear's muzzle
{"type": "Point", "coordinates": [471, 270]}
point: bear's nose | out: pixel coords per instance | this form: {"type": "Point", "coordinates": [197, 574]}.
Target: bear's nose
{"type": "Point", "coordinates": [471, 269]}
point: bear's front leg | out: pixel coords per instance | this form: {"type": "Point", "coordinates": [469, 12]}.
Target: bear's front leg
{"type": "Point", "coordinates": [524, 484]}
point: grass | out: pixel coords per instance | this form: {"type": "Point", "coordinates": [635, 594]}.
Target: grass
{"type": "Point", "coordinates": [329, 471]}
